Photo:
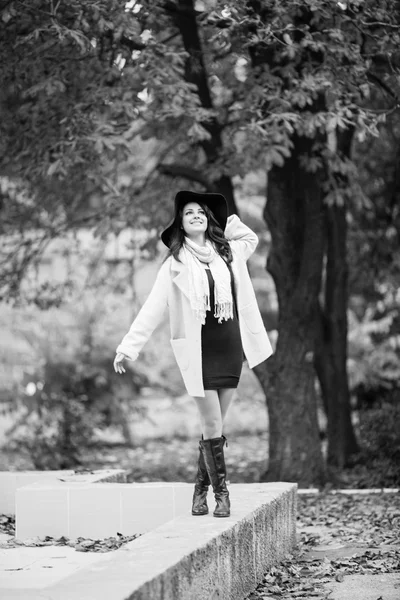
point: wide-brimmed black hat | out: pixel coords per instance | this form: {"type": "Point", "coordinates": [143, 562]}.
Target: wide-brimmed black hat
{"type": "Point", "coordinates": [215, 202]}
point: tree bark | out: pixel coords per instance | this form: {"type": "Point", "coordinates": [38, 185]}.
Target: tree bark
{"type": "Point", "coordinates": [331, 346]}
{"type": "Point", "coordinates": [331, 343]}
{"type": "Point", "coordinates": [294, 215]}
{"type": "Point", "coordinates": [224, 186]}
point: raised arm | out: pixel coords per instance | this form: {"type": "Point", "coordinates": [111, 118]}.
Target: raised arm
{"type": "Point", "coordinates": [149, 316]}
{"type": "Point", "coordinates": [242, 239]}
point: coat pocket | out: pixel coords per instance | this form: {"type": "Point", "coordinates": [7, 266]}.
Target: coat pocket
{"type": "Point", "coordinates": [181, 353]}
{"type": "Point", "coordinates": [252, 318]}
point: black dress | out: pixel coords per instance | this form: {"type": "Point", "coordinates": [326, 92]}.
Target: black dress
{"type": "Point", "coordinates": [222, 352]}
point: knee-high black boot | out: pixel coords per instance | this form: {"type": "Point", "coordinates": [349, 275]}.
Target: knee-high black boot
{"type": "Point", "coordinates": [213, 452]}
{"type": "Point", "coordinates": [199, 504]}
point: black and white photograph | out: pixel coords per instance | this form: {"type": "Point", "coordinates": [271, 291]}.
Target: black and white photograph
{"type": "Point", "coordinates": [199, 300]}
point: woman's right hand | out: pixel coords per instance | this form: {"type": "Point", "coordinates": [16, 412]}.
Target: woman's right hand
{"type": "Point", "coordinates": [118, 363]}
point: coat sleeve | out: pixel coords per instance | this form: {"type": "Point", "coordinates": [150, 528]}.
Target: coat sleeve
{"type": "Point", "coordinates": [149, 316]}
{"type": "Point", "coordinates": [241, 238]}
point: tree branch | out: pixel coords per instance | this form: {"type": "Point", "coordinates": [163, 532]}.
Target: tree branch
{"type": "Point", "coordinates": [176, 170]}
{"type": "Point", "coordinates": [196, 72]}
{"type": "Point", "coordinates": [180, 9]}
{"type": "Point", "coordinates": [377, 80]}
{"type": "Point", "coordinates": [6, 3]}
{"type": "Point", "coordinates": [379, 24]}
{"type": "Point", "coordinates": [129, 43]}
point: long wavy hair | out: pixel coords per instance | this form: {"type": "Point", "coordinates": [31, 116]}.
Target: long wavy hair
{"type": "Point", "coordinates": [213, 233]}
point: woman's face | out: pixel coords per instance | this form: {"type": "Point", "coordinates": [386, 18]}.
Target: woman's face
{"type": "Point", "coordinates": [194, 219]}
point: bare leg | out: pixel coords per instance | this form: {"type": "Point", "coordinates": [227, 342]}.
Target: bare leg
{"type": "Point", "coordinates": [210, 414]}
{"type": "Point", "coordinates": [225, 400]}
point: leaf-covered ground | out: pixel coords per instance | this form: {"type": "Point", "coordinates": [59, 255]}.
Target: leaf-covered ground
{"type": "Point", "coordinates": [162, 460]}
{"type": "Point", "coordinates": [338, 535]}
{"type": "Point", "coordinates": [175, 460]}
{"type": "Point", "coordinates": [81, 544]}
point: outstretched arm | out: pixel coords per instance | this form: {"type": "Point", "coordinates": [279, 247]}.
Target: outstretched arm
{"type": "Point", "coordinates": [149, 316]}
{"type": "Point", "coordinates": [241, 238]}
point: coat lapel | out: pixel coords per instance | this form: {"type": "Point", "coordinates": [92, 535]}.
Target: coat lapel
{"type": "Point", "coordinates": [180, 277]}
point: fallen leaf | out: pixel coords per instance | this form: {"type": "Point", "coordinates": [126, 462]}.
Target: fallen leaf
{"type": "Point", "coordinates": [80, 544]}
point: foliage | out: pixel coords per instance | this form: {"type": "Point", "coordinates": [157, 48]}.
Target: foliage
{"type": "Point", "coordinates": [73, 74]}
{"type": "Point", "coordinates": [374, 225]}
{"type": "Point", "coordinates": [71, 79]}
{"type": "Point", "coordinates": [307, 68]}
{"type": "Point", "coordinates": [374, 276]}
{"type": "Point", "coordinates": [278, 71]}
{"type": "Point", "coordinates": [374, 352]}
{"type": "Point", "coordinates": [69, 389]}
{"type": "Point", "coordinates": [380, 442]}
{"type": "Point", "coordinates": [62, 405]}
{"type": "Point", "coordinates": [60, 419]}
{"type": "Point", "coordinates": [84, 84]}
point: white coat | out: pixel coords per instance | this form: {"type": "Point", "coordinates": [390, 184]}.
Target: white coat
{"type": "Point", "coordinates": [171, 289]}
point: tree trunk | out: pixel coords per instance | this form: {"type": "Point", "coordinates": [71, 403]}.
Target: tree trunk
{"type": "Point", "coordinates": [224, 186]}
{"type": "Point", "coordinates": [294, 215]}
{"type": "Point", "coordinates": [185, 18]}
{"type": "Point", "coordinates": [331, 346]}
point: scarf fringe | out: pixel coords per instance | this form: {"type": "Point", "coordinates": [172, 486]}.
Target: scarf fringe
{"type": "Point", "coordinates": [223, 312]}
{"type": "Point", "coordinates": [200, 307]}
{"type": "Point", "coordinates": [192, 255]}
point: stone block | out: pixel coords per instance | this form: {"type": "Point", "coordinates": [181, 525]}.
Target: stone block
{"type": "Point", "coordinates": [10, 481]}
{"type": "Point", "coordinates": [145, 507]}
{"type": "Point", "coordinates": [97, 510]}
{"type": "Point", "coordinates": [93, 513]}
{"type": "Point", "coordinates": [41, 508]}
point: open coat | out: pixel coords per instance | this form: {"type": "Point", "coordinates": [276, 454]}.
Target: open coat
{"type": "Point", "coordinates": [171, 290]}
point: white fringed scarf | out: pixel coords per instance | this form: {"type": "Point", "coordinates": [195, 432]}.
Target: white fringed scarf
{"type": "Point", "coordinates": [192, 255]}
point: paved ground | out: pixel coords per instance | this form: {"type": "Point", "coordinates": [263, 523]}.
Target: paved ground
{"type": "Point", "coordinates": [384, 586]}
{"type": "Point", "coordinates": [40, 567]}
{"type": "Point", "coordinates": [367, 587]}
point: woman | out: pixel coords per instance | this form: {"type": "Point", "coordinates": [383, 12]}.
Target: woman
{"type": "Point", "coordinates": [214, 319]}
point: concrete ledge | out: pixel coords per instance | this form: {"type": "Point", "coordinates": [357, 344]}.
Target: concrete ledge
{"type": "Point", "coordinates": [10, 481]}
{"type": "Point", "coordinates": [192, 558]}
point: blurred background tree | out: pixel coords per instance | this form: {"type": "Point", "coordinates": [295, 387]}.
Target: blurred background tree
{"type": "Point", "coordinates": [109, 108]}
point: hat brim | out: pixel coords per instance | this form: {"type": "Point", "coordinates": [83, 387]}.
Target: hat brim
{"type": "Point", "coordinates": [215, 202]}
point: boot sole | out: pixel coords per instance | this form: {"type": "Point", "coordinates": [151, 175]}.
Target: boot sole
{"type": "Point", "coordinates": [199, 514]}
{"type": "Point", "coordinates": [221, 516]}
